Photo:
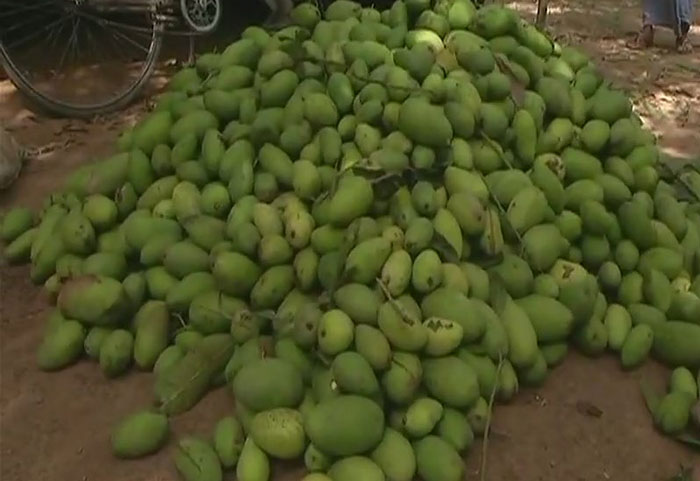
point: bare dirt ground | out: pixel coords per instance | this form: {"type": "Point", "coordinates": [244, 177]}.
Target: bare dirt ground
{"type": "Point", "coordinates": [663, 83]}
{"type": "Point", "coordinates": [587, 423]}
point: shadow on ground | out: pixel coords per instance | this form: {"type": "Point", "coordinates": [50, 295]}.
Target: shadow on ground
{"type": "Point", "coordinates": [664, 85]}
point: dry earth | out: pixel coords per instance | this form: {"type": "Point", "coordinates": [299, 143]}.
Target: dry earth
{"type": "Point", "coordinates": [588, 423]}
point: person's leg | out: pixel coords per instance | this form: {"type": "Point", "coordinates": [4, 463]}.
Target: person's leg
{"type": "Point", "coordinates": [279, 15]}
{"type": "Point", "coordinates": [684, 15]}
{"type": "Point", "coordinates": [682, 42]}
{"type": "Point", "coordinates": [645, 37]}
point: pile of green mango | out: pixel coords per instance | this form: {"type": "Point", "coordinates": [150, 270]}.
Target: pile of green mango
{"type": "Point", "coordinates": [367, 226]}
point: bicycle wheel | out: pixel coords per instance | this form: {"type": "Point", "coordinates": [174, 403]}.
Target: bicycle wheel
{"type": "Point", "coordinates": [202, 16]}
{"type": "Point", "coordinates": [79, 58]}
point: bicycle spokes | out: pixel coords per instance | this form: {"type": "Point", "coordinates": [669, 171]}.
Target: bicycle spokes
{"type": "Point", "coordinates": [75, 52]}
{"type": "Point", "coordinates": [201, 15]}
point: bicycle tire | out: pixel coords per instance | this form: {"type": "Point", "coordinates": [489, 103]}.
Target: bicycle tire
{"type": "Point", "coordinates": [190, 23]}
{"type": "Point", "coordinates": [65, 109]}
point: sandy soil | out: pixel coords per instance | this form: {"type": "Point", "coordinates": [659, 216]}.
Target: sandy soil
{"type": "Point", "coordinates": [56, 426]}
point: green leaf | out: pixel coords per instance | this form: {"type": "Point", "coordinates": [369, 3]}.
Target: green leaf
{"type": "Point", "coordinates": [444, 248]}
{"type": "Point", "coordinates": [294, 50]}
{"type": "Point", "coordinates": [268, 314]}
{"type": "Point", "coordinates": [689, 440]}
{"type": "Point", "coordinates": [651, 397]}
{"type": "Point", "coordinates": [498, 295]}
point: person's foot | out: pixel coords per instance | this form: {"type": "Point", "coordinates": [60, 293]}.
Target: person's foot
{"type": "Point", "coordinates": [683, 45]}
{"type": "Point", "coordinates": [644, 39]}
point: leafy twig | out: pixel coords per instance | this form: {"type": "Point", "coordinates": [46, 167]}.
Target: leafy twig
{"type": "Point", "coordinates": [396, 304]}
{"type": "Point", "coordinates": [503, 212]}
{"type": "Point", "coordinates": [487, 428]}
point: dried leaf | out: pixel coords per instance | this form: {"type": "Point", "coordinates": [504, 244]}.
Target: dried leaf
{"type": "Point", "coordinates": [368, 164]}
{"type": "Point", "coordinates": [491, 241]}
{"type": "Point", "coordinates": [385, 185]}
{"type": "Point", "coordinates": [446, 59]}
{"type": "Point", "coordinates": [517, 89]}
{"type": "Point", "coordinates": [588, 409]}
{"type": "Point", "coordinates": [486, 262]}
